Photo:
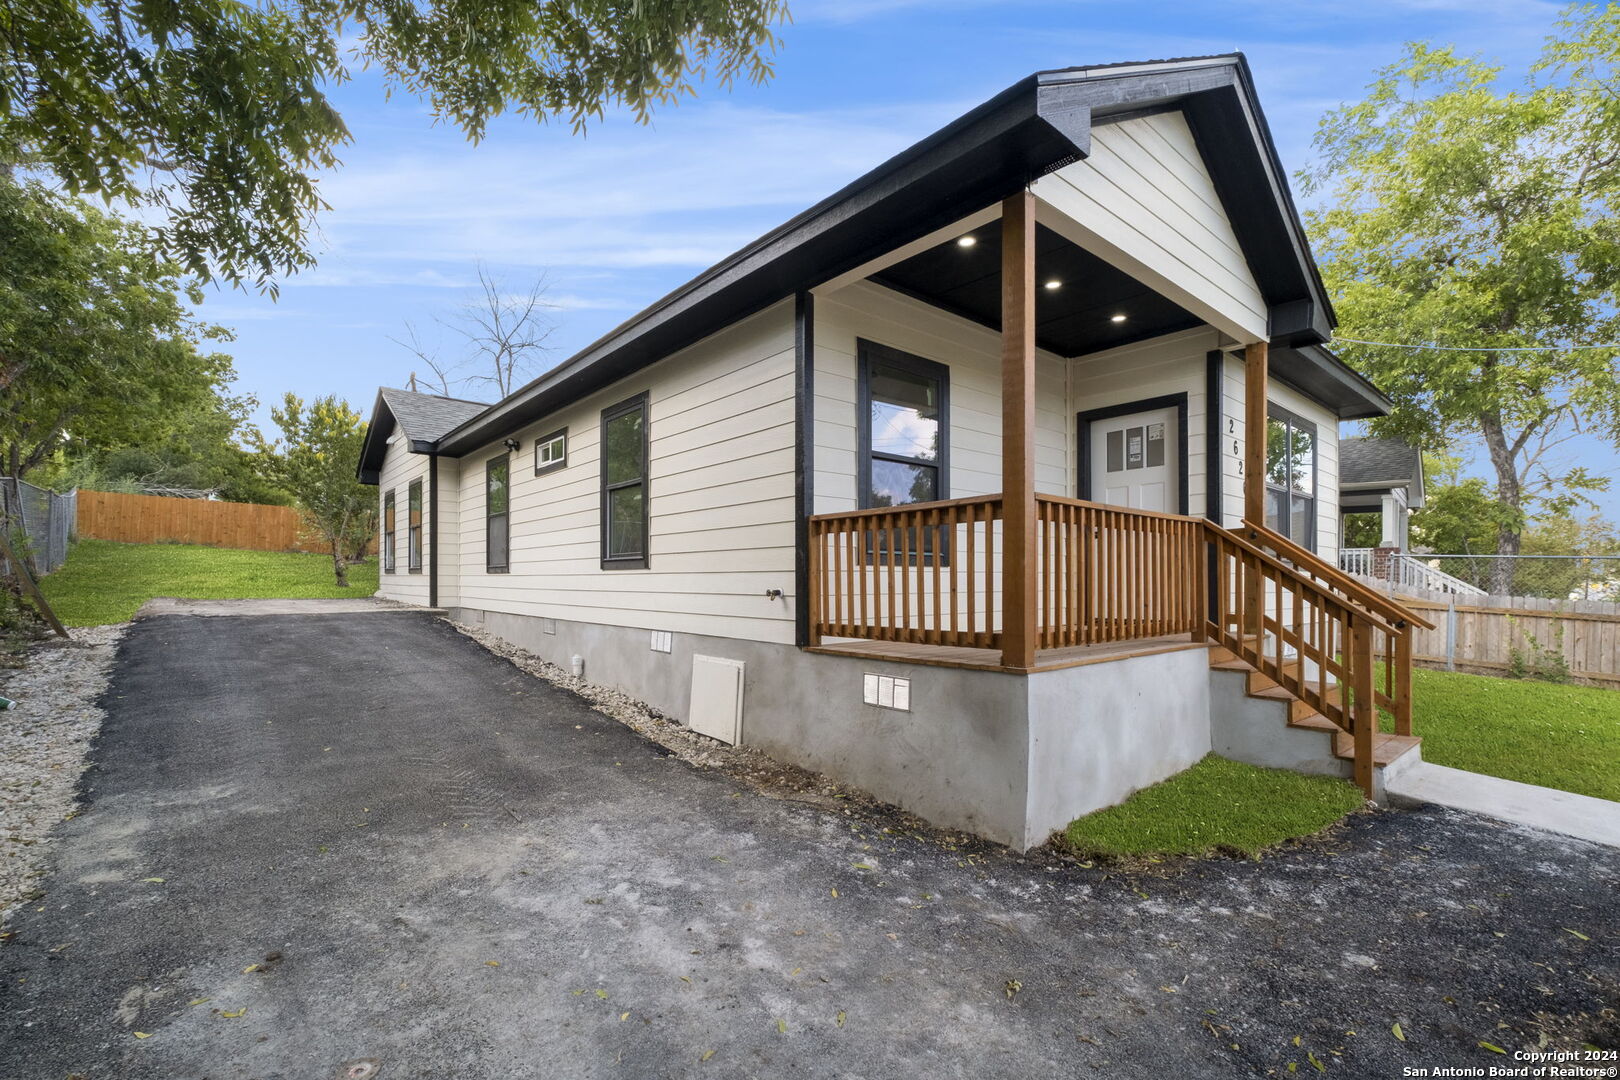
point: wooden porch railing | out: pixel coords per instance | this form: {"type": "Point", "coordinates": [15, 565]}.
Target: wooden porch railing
{"type": "Point", "coordinates": [1391, 645]}
{"type": "Point", "coordinates": [930, 573]}
{"type": "Point", "coordinates": [926, 573]}
{"type": "Point", "coordinates": [1110, 573]}
{"type": "Point", "coordinates": [1342, 653]}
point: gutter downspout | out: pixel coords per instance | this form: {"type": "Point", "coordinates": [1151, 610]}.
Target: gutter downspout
{"type": "Point", "coordinates": [433, 530]}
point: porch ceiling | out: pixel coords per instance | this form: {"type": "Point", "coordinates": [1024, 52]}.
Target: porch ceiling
{"type": "Point", "coordinates": [1072, 319]}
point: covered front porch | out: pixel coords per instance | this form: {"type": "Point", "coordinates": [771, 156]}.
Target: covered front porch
{"type": "Point", "coordinates": [1023, 302]}
{"type": "Point", "coordinates": [1023, 579]}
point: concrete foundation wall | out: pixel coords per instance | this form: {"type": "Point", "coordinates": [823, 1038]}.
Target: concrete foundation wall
{"type": "Point", "coordinates": [1256, 730]}
{"type": "Point", "coordinates": [1102, 731]}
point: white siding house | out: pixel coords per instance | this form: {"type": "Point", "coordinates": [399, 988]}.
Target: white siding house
{"type": "Point", "coordinates": [959, 467]}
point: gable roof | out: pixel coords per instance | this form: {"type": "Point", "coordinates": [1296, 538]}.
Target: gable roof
{"type": "Point", "coordinates": [1373, 462]}
{"type": "Point", "coordinates": [422, 419]}
{"type": "Point", "coordinates": [1041, 123]}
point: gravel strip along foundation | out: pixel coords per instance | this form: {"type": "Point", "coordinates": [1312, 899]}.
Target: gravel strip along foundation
{"type": "Point", "coordinates": [43, 743]}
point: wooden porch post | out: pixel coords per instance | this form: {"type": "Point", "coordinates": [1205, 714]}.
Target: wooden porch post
{"type": "Point", "coordinates": [1254, 432]}
{"type": "Point", "coordinates": [1018, 632]}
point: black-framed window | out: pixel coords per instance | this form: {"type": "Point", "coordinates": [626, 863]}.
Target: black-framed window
{"type": "Point", "coordinates": [624, 485]}
{"type": "Point", "coordinates": [413, 527]}
{"type": "Point", "coordinates": [388, 533]}
{"type": "Point", "coordinates": [497, 513]}
{"type": "Point", "coordinates": [1291, 495]}
{"type": "Point", "coordinates": [904, 416]}
{"type": "Point", "coordinates": [551, 452]}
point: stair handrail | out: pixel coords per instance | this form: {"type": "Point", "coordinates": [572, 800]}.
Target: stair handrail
{"type": "Point", "coordinates": [1356, 715]}
{"type": "Point", "coordinates": [1237, 539]}
{"type": "Point", "coordinates": [1326, 572]}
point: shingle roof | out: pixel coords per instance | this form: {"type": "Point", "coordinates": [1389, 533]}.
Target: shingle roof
{"type": "Point", "coordinates": [425, 417]}
{"type": "Point", "coordinates": [1369, 460]}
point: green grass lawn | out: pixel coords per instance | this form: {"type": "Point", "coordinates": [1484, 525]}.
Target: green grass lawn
{"type": "Point", "coordinates": [1551, 734]}
{"type": "Point", "coordinates": [1217, 805]}
{"type": "Point", "coordinates": [104, 582]}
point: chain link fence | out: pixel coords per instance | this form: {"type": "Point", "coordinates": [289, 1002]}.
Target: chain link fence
{"type": "Point", "coordinates": [38, 523]}
{"type": "Point", "coordinates": [1550, 577]}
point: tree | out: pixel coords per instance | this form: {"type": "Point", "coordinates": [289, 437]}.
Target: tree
{"type": "Point", "coordinates": [216, 114]}
{"type": "Point", "coordinates": [1459, 516]}
{"type": "Point", "coordinates": [505, 335]}
{"type": "Point", "coordinates": [1483, 221]}
{"type": "Point", "coordinates": [1363, 530]}
{"type": "Point", "coordinates": [97, 346]}
{"type": "Point", "coordinates": [314, 461]}
{"type": "Point", "coordinates": [200, 451]}
{"type": "Point", "coordinates": [1594, 544]}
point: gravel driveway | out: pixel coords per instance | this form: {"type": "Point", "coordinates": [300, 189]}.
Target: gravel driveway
{"type": "Point", "coordinates": [325, 845]}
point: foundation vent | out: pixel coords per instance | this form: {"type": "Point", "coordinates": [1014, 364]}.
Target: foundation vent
{"type": "Point", "coordinates": [717, 698]}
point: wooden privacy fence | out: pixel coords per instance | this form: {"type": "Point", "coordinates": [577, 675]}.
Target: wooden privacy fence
{"type": "Point", "coordinates": [157, 519]}
{"type": "Point", "coordinates": [1481, 633]}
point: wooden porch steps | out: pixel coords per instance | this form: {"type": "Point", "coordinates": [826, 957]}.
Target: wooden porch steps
{"type": "Point", "coordinates": [1387, 748]}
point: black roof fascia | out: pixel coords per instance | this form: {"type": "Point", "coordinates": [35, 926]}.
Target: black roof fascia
{"type": "Point", "coordinates": [1038, 124]}
{"type": "Point", "coordinates": [1237, 147]}
{"type": "Point", "coordinates": [979, 159]}
{"type": "Point", "coordinates": [375, 448]}
{"type": "Point", "coordinates": [1318, 373]}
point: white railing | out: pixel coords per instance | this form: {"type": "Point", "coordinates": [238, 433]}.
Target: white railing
{"type": "Point", "coordinates": [1401, 569]}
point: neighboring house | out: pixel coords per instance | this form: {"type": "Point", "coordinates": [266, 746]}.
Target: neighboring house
{"type": "Point", "coordinates": [1382, 476]}
{"type": "Point", "coordinates": [940, 488]}
{"type": "Point", "coordinates": [1386, 476]}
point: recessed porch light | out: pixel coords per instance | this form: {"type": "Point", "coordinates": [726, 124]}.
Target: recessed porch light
{"type": "Point", "coordinates": [1116, 318]}
{"type": "Point", "coordinates": [966, 241]}
{"type": "Point", "coordinates": [1054, 284]}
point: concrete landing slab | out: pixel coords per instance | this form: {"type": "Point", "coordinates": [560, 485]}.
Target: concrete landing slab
{"type": "Point", "coordinates": [169, 605]}
{"type": "Point", "coordinates": [1557, 811]}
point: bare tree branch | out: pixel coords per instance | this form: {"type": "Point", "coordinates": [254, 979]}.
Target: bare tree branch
{"type": "Point", "coordinates": [506, 337]}
{"type": "Point", "coordinates": [441, 371]}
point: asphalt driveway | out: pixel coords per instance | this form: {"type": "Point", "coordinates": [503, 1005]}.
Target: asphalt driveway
{"type": "Point", "coordinates": [323, 843]}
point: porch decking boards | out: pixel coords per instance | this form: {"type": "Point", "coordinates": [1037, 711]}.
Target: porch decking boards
{"type": "Point", "coordinates": [954, 656]}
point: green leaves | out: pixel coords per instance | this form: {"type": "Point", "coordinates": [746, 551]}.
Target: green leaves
{"type": "Point", "coordinates": [213, 113]}
{"type": "Point", "coordinates": [315, 460]}
{"type": "Point", "coordinates": [97, 337]}
{"type": "Point", "coordinates": [1461, 214]}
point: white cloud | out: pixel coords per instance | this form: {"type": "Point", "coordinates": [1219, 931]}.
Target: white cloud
{"type": "Point", "coordinates": [684, 193]}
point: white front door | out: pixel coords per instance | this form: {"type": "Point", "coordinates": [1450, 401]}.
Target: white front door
{"type": "Point", "coordinates": [1135, 461]}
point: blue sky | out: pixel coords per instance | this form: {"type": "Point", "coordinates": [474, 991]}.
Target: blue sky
{"type": "Point", "coordinates": [622, 215]}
